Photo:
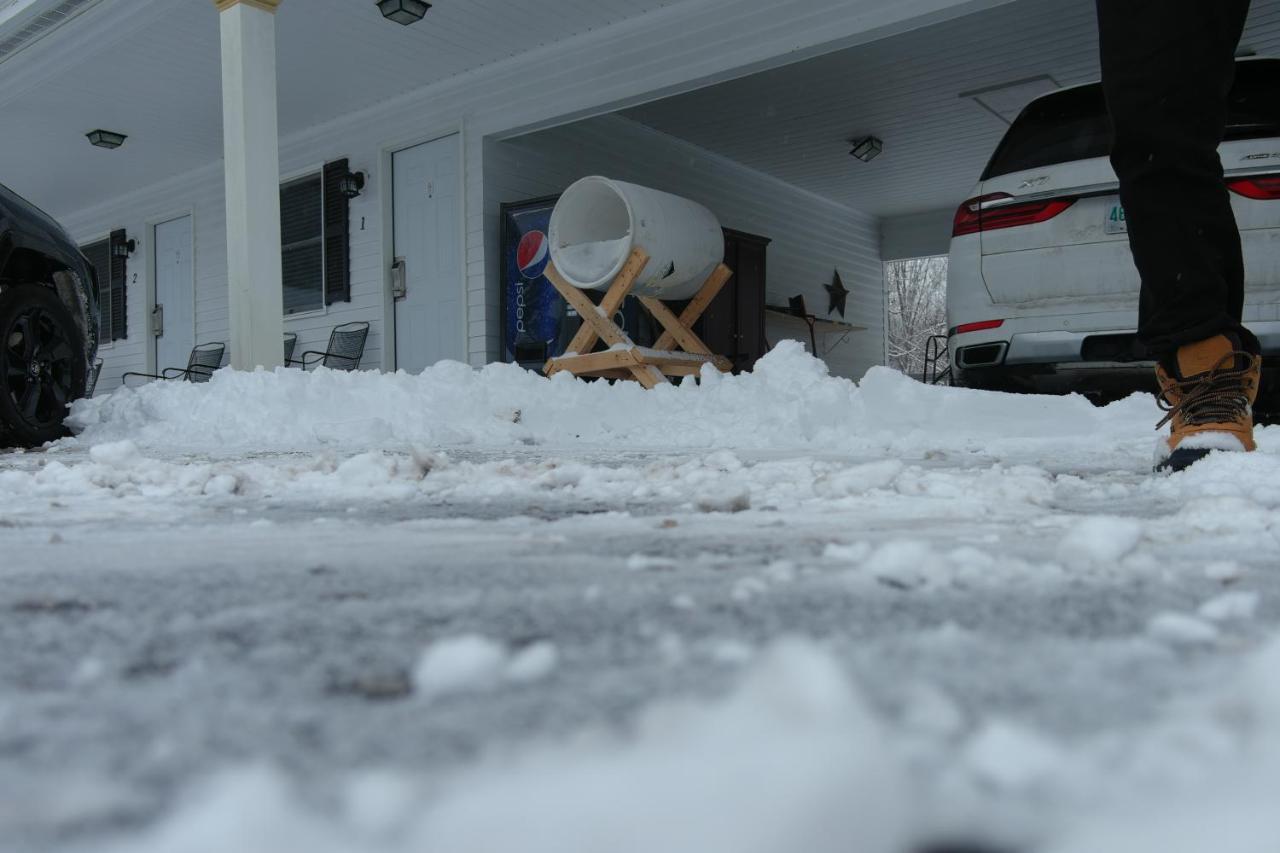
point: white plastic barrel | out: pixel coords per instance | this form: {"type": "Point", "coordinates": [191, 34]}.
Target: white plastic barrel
{"type": "Point", "coordinates": [598, 221]}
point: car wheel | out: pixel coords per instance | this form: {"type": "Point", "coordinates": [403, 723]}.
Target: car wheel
{"type": "Point", "coordinates": [42, 364]}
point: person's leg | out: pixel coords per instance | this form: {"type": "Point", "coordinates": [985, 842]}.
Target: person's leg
{"type": "Point", "coordinates": [1167, 68]}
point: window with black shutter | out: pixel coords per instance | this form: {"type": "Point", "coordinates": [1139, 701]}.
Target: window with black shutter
{"type": "Point", "coordinates": [111, 271]}
{"type": "Point", "coordinates": [314, 237]}
{"type": "Point", "coordinates": [302, 244]}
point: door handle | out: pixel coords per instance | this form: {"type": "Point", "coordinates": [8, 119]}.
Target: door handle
{"type": "Point", "coordinates": [399, 279]}
{"type": "Point", "coordinates": [157, 321]}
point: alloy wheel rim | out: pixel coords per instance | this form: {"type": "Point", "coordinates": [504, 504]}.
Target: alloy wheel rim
{"type": "Point", "coordinates": [38, 365]}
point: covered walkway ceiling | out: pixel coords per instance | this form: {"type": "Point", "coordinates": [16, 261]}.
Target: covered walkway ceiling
{"type": "Point", "coordinates": [151, 69]}
{"type": "Point", "coordinates": [794, 122]}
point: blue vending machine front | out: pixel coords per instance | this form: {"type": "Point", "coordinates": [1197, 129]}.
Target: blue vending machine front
{"type": "Point", "coordinates": [536, 323]}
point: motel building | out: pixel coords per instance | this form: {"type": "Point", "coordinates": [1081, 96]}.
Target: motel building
{"type": "Point", "coordinates": [272, 168]}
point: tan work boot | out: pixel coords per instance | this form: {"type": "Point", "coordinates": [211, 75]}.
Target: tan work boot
{"type": "Point", "coordinates": [1208, 391]}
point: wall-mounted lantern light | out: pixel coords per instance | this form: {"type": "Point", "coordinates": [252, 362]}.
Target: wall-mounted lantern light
{"type": "Point", "coordinates": [403, 12]}
{"type": "Point", "coordinates": [106, 138]}
{"type": "Point", "coordinates": [866, 148]}
{"type": "Point", "coordinates": [123, 248]}
{"type": "Point", "coordinates": [352, 184]}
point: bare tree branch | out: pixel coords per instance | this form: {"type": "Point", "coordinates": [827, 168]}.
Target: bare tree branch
{"type": "Point", "coordinates": [917, 294]}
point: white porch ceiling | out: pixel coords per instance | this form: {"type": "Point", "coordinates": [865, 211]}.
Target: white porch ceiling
{"type": "Point", "coordinates": [794, 122]}
{"type": "Point", "coordinates": [151, 69]}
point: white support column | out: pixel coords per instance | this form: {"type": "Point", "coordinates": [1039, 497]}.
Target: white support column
{"type": "Point", "coordinates": [251, 151]}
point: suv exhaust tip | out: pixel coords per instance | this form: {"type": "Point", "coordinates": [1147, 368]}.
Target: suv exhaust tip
{"type": "Point", "coordinates": [982, 355]}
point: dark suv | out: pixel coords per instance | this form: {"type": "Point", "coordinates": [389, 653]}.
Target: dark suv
{"type": "Point", "coordinates": [48, 323]}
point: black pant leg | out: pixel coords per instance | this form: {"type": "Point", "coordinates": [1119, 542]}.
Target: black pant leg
{"type": "Point", "coordinates": [1167, 69]}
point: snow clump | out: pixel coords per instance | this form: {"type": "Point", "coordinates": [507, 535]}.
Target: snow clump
{"type": "Point", "coordinates": [1099, 541]}
{"type": "Point", "coordinates": [471, 663]}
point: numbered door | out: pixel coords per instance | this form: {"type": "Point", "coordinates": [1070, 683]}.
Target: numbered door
{"type": "Point", "coordinates": [430, 317]}
{"type": "Point", "coordinates": [173, 319]}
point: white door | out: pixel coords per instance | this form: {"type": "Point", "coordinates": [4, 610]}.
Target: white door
{"type": "Point", "coordinates": [174, 318]}
{"type": "Point", "coordinates": [430, 317]}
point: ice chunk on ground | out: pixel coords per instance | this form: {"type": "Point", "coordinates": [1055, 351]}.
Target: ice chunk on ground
{"type": "Point", "coordinates": [1224, 571]}
{"type": "Point", "coordinates": [1099, 541]}
{"type": "Point", "coordinates": [1181, 629]}
{"type": "Point", "coordinates": [1230, 606]}
{"type": "Point", "coordinates": [532, 663]}
{"type": "Point", "coordinates": [460, 664]}
{"type": "Point", "coordinates": [902, 563]}
{"type": "Point", "coordinates": [471, 663]}
{"type": "Point", "coordinates": [1013, 757]}
{"type": "Point", "coordinates": [117, 454]}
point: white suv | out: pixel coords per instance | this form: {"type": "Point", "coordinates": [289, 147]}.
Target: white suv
{"type": "Point", "coordinates": [1042, 292]}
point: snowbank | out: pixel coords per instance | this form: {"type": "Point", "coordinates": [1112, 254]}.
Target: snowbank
{"type": "Point", "coordinates": [789, 403]}
{"type": "Point", "coordinates": [792, 761]}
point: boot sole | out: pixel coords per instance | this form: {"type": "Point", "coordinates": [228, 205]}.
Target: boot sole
{"type": "Point", "coordinates": [1182, 459]}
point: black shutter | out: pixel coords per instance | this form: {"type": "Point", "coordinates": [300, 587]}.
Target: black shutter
{"type": "Point", "coordinates": [99, 255]}
{"type": "Point", "coordinates": [337, 226]}
{"type": "Point", "coordinates": [119, 303]}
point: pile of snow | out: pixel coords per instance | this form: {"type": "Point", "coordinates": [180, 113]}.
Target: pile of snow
{"type": "Point", "coordinates": [792, 761]}
{"type": "Point", "coordinates": [788, 403]}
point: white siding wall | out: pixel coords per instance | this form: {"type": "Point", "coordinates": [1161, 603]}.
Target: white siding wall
{"type": "Point", "coordinates": [201, 194]}
{"type": "Point", "coordinates": [811, 236]}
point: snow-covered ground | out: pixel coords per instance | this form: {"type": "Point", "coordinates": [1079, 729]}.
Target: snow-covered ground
{"type": "Point", "coordinates": [484, 611]}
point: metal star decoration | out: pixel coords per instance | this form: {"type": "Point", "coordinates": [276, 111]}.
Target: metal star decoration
{"type": "Point", "coordinates": [838, 294]}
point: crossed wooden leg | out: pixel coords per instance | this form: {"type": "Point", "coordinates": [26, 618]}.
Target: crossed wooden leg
{"type": "Point", "coordinates": [648, 366]}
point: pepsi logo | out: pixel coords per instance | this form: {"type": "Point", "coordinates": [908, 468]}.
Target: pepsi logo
{"type": "Point", "coordinates": [532, 254]}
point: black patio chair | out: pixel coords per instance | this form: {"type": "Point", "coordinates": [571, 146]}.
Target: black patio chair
{"type": "Point", "coordinates": [346, 348]}
{"type": "Point", "coordinates": [91, 382]}
{"type": "Point", "coordinates": [204, 360]}
{"type": "Point", "coordinates": [290, 344]}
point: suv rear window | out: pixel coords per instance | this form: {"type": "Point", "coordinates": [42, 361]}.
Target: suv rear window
{"type": "Point", "coordinates": [1073, 124]}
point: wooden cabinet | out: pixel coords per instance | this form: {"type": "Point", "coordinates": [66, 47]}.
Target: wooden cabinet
{"type": "Point", "coordinates": [734, 324]}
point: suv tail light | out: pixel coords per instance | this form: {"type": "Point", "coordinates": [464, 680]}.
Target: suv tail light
{"type": "Point", "coordinates": [980, 326]}
{"type": "Point", "coordinates": [1000, 210]}
{"type": "Point", "coordinates": [1260, 187]}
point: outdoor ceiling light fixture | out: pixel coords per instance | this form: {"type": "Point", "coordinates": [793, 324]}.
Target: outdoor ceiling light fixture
{"type": "Point", "coordinates": [106, 138]}
{"type": "Point", "coordinates": [866, 148]}
{"type": "Point", "coordinates": [403, 12]}
{"type": "Point", "coordinates": [352, 184]}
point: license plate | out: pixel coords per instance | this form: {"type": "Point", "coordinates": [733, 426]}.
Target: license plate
{"type": "Point", "coordinates": [1116, 223]}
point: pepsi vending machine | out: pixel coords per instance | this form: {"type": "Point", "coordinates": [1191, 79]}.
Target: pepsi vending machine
{"type": "Point", "coordinates": [537, 324]}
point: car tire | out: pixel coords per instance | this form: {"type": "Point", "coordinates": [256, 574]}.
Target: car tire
{"type": "Point", "coordinates": [42, 364]}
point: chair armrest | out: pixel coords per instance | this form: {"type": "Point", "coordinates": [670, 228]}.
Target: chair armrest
{"type": "Point", "coordinates": [307, 359]}
{"type": "Point", "coordinates": [143, 375]}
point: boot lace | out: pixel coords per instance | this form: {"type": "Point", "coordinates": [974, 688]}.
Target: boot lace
{"type": "Point", "coordinates": [1220, 396]}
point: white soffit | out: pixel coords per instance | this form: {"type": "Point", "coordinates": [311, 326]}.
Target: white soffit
{"type": "Point", "coordinates": [26, 24]}
{"type": "Point", "coordinates": [1008, 99]}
